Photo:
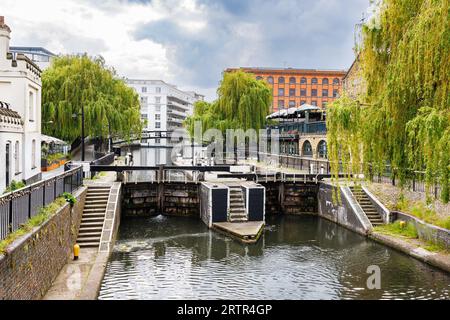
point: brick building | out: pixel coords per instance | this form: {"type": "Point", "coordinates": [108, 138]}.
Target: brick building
{"type": "Point", "coordinates": [294, 87]}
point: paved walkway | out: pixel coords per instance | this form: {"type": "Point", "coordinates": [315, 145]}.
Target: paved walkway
{"type": "Point", "coordinates": [79, 279]}
{"type": "Point", "coordinates": [71, 280]}
{"type": "Point", "coordinates": [52, 173]}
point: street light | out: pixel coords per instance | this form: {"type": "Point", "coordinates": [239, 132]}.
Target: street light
{"type": "Point", "coordinates": [82, 130]}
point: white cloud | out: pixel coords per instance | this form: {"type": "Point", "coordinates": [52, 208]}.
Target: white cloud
{"type": "Point", "coordinates": [68, 26]}
{"type": "Point", "coordinates": [190, 42]}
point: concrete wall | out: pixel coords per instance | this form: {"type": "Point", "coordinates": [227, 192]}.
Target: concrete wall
{"type": "Point", "coordinates": [33, 261]}
{"type": "Point", "coordinates": [425, 231]}
{"type": "Point", "coordinates": [347, 213]}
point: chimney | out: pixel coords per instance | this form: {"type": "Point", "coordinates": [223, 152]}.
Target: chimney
{"type": "Point", "coordinates": [4, 38]}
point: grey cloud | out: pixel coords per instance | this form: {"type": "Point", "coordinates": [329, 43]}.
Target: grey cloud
{"type": "Point", "coordinates": [305, 34]}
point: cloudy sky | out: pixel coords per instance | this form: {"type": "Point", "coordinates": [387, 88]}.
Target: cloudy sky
{"type": "Point", "coordinates": [190, 42]}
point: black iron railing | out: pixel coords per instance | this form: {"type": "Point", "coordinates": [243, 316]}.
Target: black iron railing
{"type": "Point", "coordinates": [18, 206]}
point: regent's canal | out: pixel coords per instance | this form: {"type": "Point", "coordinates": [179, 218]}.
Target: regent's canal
{"type": "Point", "coordinates": [298, 257]}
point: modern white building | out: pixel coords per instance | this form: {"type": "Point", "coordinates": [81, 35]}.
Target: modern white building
{"type": "Point", "coordinates": [20, 115]}
{"type": "Point", "coordinates": [40, 56]}
{"type": "Point", "coordinates": [164, 106]}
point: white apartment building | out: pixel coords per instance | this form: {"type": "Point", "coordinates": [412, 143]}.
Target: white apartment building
{"type": "Point", "coordinates": [164, 106]}
{"type": "Point", "coordinates": [20, 115]}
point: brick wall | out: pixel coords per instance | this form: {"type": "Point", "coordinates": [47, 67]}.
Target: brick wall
{"type": "Point", "coordinates": [33, 262]}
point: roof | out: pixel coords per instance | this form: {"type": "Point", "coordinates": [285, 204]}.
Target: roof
{"type": "Point", "coordinates": [288, 70]}
{"type": "Point", "coordinates": [6, 111]}
{"type": "Point", "coordinates": [32, 50]}
{"type": "Point", "coordinates": [49, 139]}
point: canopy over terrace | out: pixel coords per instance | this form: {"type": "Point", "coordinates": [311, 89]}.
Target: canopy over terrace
{"type": "Point", "coordinates": [294, 112]}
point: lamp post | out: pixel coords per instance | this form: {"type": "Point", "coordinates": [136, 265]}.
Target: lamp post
{"type": "Point", "coordinates": [82, 130]}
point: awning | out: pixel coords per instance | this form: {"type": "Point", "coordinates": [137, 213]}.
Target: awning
{"type": "Point", "coordinates": [49, 139]}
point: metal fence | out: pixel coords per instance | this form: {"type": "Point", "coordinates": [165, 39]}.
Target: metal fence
{"type": "Point", "coordinates": [18, 206]}
{"type": "Point", "coordinates": [414, 181]}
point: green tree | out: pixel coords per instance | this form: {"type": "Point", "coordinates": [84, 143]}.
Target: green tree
{"type": "Point", "coordinates": [405, 62]}
{"type": "Point", "coordinates": [243, 103]}
{"type": "Point", "coordinates": [110, 106]}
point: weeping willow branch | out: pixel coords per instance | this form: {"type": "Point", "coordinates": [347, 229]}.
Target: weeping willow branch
{"type": "Point", "coordinates": [405, 62]}
{"type": "Point", "coordinates": [73, 81]}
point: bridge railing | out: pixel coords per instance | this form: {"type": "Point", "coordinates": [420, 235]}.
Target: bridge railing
{"type": "Point", "coordinates": [18, 206]}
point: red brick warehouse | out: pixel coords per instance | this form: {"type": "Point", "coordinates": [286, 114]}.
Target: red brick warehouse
{"type": "Point", "coordinates": [294, 87]}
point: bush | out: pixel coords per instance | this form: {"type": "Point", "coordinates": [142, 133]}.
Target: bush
{"type": "Point", "coordinates": [15, 185]}
{"type": "Point", "coordinates": [69, 198]}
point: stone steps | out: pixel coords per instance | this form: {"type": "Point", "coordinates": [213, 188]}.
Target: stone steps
{"type": "Point", "coordinates": [237, 212]}
{"type": "Point", "coordinates": [367, 206]}
{"type": "Point", "coordinates": [93, 217]}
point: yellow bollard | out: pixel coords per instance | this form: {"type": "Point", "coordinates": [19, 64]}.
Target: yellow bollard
{"type": "Point", "coordinates": [76, 251]}
{"type": "Point", "coordinates": [402, 224]}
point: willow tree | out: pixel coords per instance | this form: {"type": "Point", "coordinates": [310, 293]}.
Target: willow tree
{"type": "Point", "coordinates": [243, 103]}
{"type": "Point", "coordinates": [405, 62]}
{"type": "Point", "coordinates": [73, 82]}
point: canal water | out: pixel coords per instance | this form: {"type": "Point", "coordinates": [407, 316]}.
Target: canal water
{"type": "Point", "coordinates": [298, 257]}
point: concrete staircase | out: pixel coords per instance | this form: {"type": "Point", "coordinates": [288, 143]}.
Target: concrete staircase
{"type": "Point", "coordinates": [367, 206]}
{"type": "Point", "coordinates": [93, 216]}
{"type": "Point", "coordinates": [237, 212]}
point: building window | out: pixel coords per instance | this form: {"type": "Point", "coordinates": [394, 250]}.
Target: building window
{"type": "Point", "coordinates": [307, 149]}
{"type": "Point", "coordinates": [144, 89]}
{"type": "Point", "coordinates": [336, 81]}
{"type": "Point", "coordinates": [314, 103]}
{"type": "Point", "coordinates": [303, 80]}
{"type": "Point", "coordinates": [314, 92]}
{"type": "Point", "coordinates": [322, 149]}
{"type": "Point", "coordinates": [7, 163]}
{"type": "Point", "coordinates": [157, 117]}
{"type": "Point", "coordinates": [31, 105]}
{"type": "Point", "coordinates": [325, 93]}
{"type": "Point", "coordinates": [291, 103]}
{"type": "Point", "coordinates": [325, 81]}
{"type": "Point", "coordinates": [157, 99]}
{"type": "Point", "coordinates": [17, 157]}
{"type": "Point", "coordinates": [157, 141]}
{"type": "Point", "coordinates": [302, 102]}
{"type": "Point", "coordinates": [303, 92]}
{"type": "Point", "coordinates": [314, 81]}
{"type": "Point", "coordinates": [157, 125]}
{"type": "Point", "coordinates": [335, 93]}
{"type": "Point", "coordinates": [292, 80]}
{"type": "Point", "coordinates": [280, 103]}
{"type": "Point", "coordinates": [33, 154]}
{"type": "Point", "coordinates": [291, 92]}
{"type": "Point", "coordinates": [270, 79]}
{"type": "Point", "coordinates": [258, 78]}
{"type": "Point", "coordinates": [158, 108]}
{"type": "Point", "coordinates": [281, 80]}
{"type": "Point", "coordinates": [158, 89]}
{"type": "Point", "coordinates": [281, 92]}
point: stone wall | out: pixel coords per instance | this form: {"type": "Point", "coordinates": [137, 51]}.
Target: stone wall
{"type": "Point", "coordinates": [33, 261]}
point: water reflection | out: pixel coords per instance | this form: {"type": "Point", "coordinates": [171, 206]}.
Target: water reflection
{"type": "Point", "coordinates": [297, 258]}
